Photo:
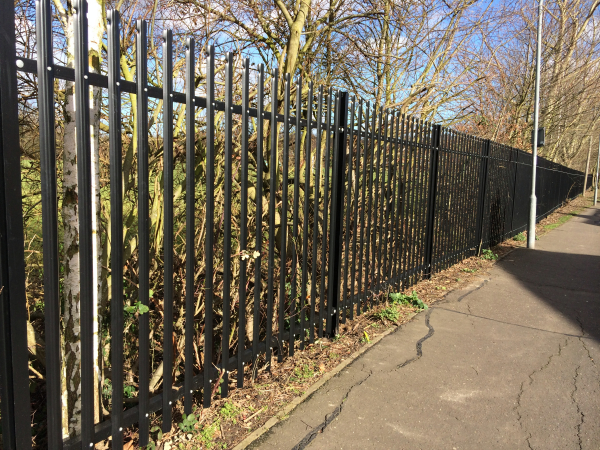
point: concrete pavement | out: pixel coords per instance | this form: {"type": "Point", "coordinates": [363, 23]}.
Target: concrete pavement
{"type": "Point", "coordinates": [512, 362]}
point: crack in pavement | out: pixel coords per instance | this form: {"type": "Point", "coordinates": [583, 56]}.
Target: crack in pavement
{"type": "Point", "coordinates": [338, 410]}
{"type": "Point", "coordinates": [420, 341]}
{"type": "Point", "coordinates": [329, 417]}
{"type": "Point", "coordinates": [522, 391]}
{"type": "Point", "coordinates": [460, 299]}
{"type": "Point", "coordinates": [587, 350]}
{"type": "Point", "coordinates": [470, 315]}
{"type": "Point", "coordinates": [579, 412]}
{"type": "Point", "coordinates": [514, 324]}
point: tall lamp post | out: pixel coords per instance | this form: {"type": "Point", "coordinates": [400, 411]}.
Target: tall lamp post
{"type": "Point", "coordinates": [533, 200]}
{"type": "Point", "coordinates": [597, 169]}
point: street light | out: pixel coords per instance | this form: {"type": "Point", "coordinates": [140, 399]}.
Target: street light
{"type": "Point", "coordinates": [533, 203]}
{"type": "Point", "coordinates": [597, 164]}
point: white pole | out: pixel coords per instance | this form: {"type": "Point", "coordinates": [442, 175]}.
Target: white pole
{"type": "Point", "coordinates": [587, 167]}
{"type": "Point", "coordinates": [533, 204]}
{"type": "Point", "coordinates": [597, 167]}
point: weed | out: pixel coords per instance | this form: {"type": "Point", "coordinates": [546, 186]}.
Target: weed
{"type": "Point", "coordinates": [366, 338]}
{"type": "Point", "coordinates": [107, 389]}
{"type": "Point", "coordinates": [390, 314]}
{"type": "Point", "coordinates": [458, 279]}
{"type": "Point", "coordinates": [520, 237]}
{"type": "Point", "coordinates": [403, 299]}
{"type": "Point", "coordinates": [230, 411]}
{"type": "Point", "coordinates": [466, 269]}
{"type": "Point", "coordinates": [489, 255]}
{"type": "Point", "coordinates": [129, 391]}
{"type": "Point", "coordinates": [137, 307]}
{"type": "Point", "coordinates": [302, 373]}
{"type": "Point", "coordinates": [159, 435]}
{"type": "Point", "coordinates": [188, 424]}
{"type": "Point", "coordinates": [207, 434]}
{"type": "Point", "coordinates": [333, 355]}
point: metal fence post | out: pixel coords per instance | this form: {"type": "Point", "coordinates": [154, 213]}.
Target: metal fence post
{"type": "Point", "coordinates": [483, 175]}
{"type": "Point", "coordinates": [337, 211]}
{"type": "Point", "coordinates": [433, 175]}
{"type": "Point", "coordinates": [14, 372]}
{"type": "Point", "coordinates": [512, 218]}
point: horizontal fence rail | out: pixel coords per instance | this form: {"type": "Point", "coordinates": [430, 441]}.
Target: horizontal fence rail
{"type": "Point", "coordinates": [262, 219]}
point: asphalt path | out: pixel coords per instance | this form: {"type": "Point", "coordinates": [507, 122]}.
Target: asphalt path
{"type": "Point", "coordinates": [511, 362]}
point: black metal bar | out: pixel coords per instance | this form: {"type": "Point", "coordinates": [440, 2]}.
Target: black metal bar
{"type": "Point", "coordinates": [483, 174]}
{"type": "Point", "coordinates": [14, 372]}
{"type": "Point", "coordinates": [414, 191]}
{"type": "Point", "coordinates": [84, 183]}
{"type": "Point", "coordinates": [224, 380]}
{"type": "Point", "coordinates": [374, 231]}
{"type": "Point", "coordinates": [272, 208]}
{"type": "Point", "coordinates": [209, 220]}
{"type": "Point", "coordinates": [313, 283]}
{"type": "Point", "coordinates": [307, 170]}
{"type": "Point", "coordinates": [388, 200]}
{"type": "Point", "coordinates": [258, 199]}
{"type": "Point", "coordinates": [190, 194]}
{"type": "Point", "coordinates": [514, 194]}
{"type": "Point", "coordinates": [471, 191]}
{"type": "Point", "coordinates": [473, 194]}
{"type": "Point", "coordinates": [423, 175]}
{"type": "Point", "coordinates": [143, 228]}
{"type": "Point", "coordinates": [337, 210]}
{"type": "Point", "coordinates": [437, 213]}
{"type": "Point", "coordinates": [449, 197]}
{"type": "Point", "coordinates": [116, 225]}
{"type": "Point", "coordinates": [395, 203]}
{"type": "Point", "coordinates": [283, 219]}
{"type": "Point", "coordinates": [353, 292]}
{"type": "Point", "coordinates": [294, 311]}
{"type": "Point", "coordinates": [363, 225]}
{"type": "Point", "coordinates": [465, 192]}
{"type": "Point", "coordinates": [49, 220]}
{"type": "Point", "coordinates": [382, 194]}
{"type": "Point", "coordinates": [168, 166]}
{"type": "Point", "coordinates": [431, 200]}
{"type": "Point", "coordinates": [323, 314]}
{"type": "Point", "coordinates": [408, 194]}
{"type": "Point", "coordinates": [350, 156]}
{"type": "Point", "coordinates": [401, 222]}
{"type": "Point", "coordinates": [455, 208]}
{"type": "Point", "coordinates": [368, 226]}
{"type": "Point", "coordinates": [405, 210]}
{"type": "Point", "coordinates": [419, 166]}
{"type": "Point", "coordinates": [462, 197]}
{"type": "Point", "coordinates": [243, 224]}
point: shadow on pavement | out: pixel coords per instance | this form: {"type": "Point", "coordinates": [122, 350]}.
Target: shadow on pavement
{"type": "Point", "coordinates": [568, 282]}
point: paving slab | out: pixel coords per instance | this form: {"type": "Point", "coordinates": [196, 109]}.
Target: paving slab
{"type": "Point", "coordinates": [511, 362]}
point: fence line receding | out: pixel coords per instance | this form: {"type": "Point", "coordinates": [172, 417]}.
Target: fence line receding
{"type": "Point", "coordinates": [264, 213]}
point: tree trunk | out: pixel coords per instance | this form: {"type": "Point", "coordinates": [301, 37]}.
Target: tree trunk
{"type": "Point", "coordinates": [72, 350]}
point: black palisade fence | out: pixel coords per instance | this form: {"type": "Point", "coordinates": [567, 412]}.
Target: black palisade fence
{"type": "Point", "coordinates": [314, 205]}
